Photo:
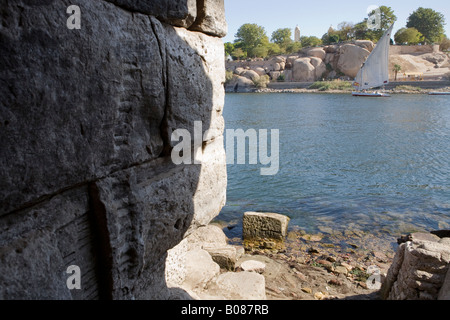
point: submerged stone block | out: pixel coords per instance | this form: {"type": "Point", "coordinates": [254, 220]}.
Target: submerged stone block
{"type": "Point", "coordinates": [264, 225]}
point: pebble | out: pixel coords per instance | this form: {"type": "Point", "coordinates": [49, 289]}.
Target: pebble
{"type": "Point", "coordinates": [319, 295]}
{"type": "Point", "coordinates": [340, 270]}
{"type": "Point", "coordinates": [335, 282]}
{"type": "Point", "coordinates": [347, 266]}
{"type": "Point", "coordinates": [324, 262]}
{"type": "Point", "coordinates": [313, 251]}
{"type": "Point", "coordinates": [307, 290]}
{"type": "Point", "coordinates": [301, 276]}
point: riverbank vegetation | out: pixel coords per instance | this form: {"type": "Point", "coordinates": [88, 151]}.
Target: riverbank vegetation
{"type": "Point", "coordinates": [332, 85]}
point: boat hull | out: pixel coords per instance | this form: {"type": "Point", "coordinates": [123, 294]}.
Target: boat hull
{"type": "Point", "coordinates": [371, 94]}
{"type": "Point", "coordinates": [439, 93]}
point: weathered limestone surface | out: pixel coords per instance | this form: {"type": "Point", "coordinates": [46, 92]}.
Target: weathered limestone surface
{"type": "Point", "coordinates": [210, 18]}
{"type": "Point", "coordinates": [180, 13]}
{"type": "Point", "coordinates": [86, 117]}
{"type": "Point", "coordinates": [194, 266]}
{"type": "Point", "coordinates": [419, 270]}
{"type": "Point", "coordinates": [264, 225]}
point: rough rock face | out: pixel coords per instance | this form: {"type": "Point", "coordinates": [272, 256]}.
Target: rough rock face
{"type": "Point", "coordinates": [203, 265]}
{"type": "Point", "coordinates": [351, 58]}
{"type": "Point", "coordinates": [419, 270]}
{"type": "Point", "coordinates": [86, 122]}
{"type": "Point", "coordinates": [303, 70]}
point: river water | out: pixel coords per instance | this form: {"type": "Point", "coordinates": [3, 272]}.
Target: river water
{"type": "Point", "coordinates": [372, 164]}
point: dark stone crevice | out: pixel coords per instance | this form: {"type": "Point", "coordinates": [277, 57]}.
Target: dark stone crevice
{"type": "Point", "coordinates": [164, 128]}
{"type": "Point", "coordinates": [98, 220]}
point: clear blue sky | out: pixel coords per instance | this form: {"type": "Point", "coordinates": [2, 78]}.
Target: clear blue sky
{"type": "Point", "coordinates": [315, 17]}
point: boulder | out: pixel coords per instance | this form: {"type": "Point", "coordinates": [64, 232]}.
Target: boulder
{"type": "Point", "coordinates": [238, 286]}
{"type": "Point", "coordinates": [351, 58]}
{"type": "Point", "coordinates": [418, 271]}
{"type": "Point", "coordinates": [210, 18]}
{"type": "Point", "coordinates": [366, 44]}
{"type": "Point", "coordinates": [288, 75]}
{"type": "Point", "coordinates": [303, 70]}
{"type": "Point", "coordinates": [260, 71]}
{"type": "Point", "coordinates": [331, 48]}
{"type": "Point", "coordinates": [444, 293]}
{"type": "Point", "coordinates": [279, 59]}
{"type": "Point", "coordinates": [291, 59]}
{"type": "Point", "coordinates": [316, 52]}
{"type": "Point", "coordinates": [200, 269]}
{"type": "Point", "coordinates": [239, 71]}
{"type": "Point", "coordinates": [224, 256]}
{"type": "Point", "coordinates": [264, 225]}
{"type": "Point", "coordinates": [240, 84]}
{"type": "Point", "coordinates": [253, 266]}
{"type": "Point", "coordinates": [181, 13]}
{"type": "Point", "coordinates": [418, 236]}
{"type": "Point", "coordinates": [329, 58]}
{"type": "Point", "coordinates": [319, 67]}
{"type": "Point", "coordinates": [250, 74]}
{"type": "Point", "coordinates": [437, 58]}
{"type": "Point", "coordinates": [274, 75]}
{"type": "Point", "coordinates": [209, 235]}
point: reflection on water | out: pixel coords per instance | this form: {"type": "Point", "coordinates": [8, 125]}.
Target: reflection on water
{"type": "Point", "coordinates": [345, 162]}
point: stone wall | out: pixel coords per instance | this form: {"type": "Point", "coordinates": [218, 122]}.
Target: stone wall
{"type": "Point", "coordinates": [418, 49]}
{"type": "Point", "coordinates": [86, 121]}
{"type": "Point", "coordinates": [419, 269]}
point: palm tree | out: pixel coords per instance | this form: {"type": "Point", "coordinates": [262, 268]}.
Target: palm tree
{"type": "Point", "coordinates": [397, 69]}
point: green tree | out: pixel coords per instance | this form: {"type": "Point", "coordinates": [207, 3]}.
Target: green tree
{"type": "Point", "coordinates": [445, 44]}
{"type": "Point", "coordinates": [408, 36]}
{"type": "Point", "coordinates": [387, 19]}
{"type": "Point", "coordinates": [397, 68]}
{"type": "Point", "coordinates": [239, 54]}
{"type": "Point", "coordinates": [250, 36]}
{"type": "Point", "coordinates": [428, 22]}
{"type": "Point", "coordinates": [311, 41]}
{"type": "Point", "coordinates": [229, 48]}
{"type": "Point", "coordinates": [330, 38]}
{"type": "Point", "coordinates": [345, 31]}
{"type": "Point", "coordinates": [260, 51]}
{"type": "Point", "coordinates": [274, 49]}
{"type": "Point", "coordinates": [282, 37]}
{"type": "Point", "coordinates": [293, 47]}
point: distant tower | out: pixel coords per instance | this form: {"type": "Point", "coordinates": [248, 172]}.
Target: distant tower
{"type": "Point", "coordinates": [331, 29]}
{"type": "Point", "coordinates": [297, 34]}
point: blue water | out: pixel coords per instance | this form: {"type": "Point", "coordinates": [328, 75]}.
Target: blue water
{"type": "Point", "coordinates": [345, 162]}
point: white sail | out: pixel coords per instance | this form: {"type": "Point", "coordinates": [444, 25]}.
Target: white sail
{"type": "Point", "coordinates": [375, 71]}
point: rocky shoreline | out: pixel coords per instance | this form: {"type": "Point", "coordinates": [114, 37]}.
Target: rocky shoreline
{"type": "Point", "coordinates": [331, 264]}
{"type": "Point", "coordinates": [325, 265]}
{"type": "Point", "coordinates": [408, 90]}
{"type": "Point", "coordinates": [413, 90]}
{"type": "Point", "coordinates": [322, 266]}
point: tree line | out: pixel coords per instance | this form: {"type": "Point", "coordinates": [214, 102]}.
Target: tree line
{"type": "Point", "coordinates": [424, 26]}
